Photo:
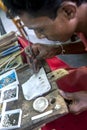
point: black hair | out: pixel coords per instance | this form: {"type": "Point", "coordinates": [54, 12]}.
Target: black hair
{"type": "Point", "coordinates": [37, 7]}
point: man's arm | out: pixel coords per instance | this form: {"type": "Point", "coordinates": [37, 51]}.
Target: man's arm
{"type": "Point", "coordinates": [73, 48]}
{"type": "Point", "coordinates": [42, 51]}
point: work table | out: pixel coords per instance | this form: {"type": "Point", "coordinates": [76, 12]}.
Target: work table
{"type": "Point", "coordinates": [27, 106]}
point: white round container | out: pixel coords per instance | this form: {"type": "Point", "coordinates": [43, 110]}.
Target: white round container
{"type": "Point", "coordinates": [40, 104]}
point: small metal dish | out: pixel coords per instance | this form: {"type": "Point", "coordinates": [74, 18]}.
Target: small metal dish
{"type": "Point", "coordinates": [40, 104]}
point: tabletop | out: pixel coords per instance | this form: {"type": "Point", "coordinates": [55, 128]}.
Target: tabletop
{"type": "Point", "coordinates": [24, 73]}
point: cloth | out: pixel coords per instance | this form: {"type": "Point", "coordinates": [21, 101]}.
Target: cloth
{"type": "Point", "coordinates": [69, 121]}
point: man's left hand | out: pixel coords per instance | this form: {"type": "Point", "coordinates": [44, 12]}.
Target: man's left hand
{"type": "Point", "coordinates": [78, 101]}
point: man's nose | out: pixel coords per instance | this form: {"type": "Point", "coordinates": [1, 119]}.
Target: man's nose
{"type": "Point", "coordinates": [39, 35]}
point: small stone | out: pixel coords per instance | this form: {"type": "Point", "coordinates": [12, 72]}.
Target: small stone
{"type": "Point", "coordinates": [57, 107]}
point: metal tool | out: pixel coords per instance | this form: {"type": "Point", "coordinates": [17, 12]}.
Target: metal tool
{"type": "Point", "coordinates": [42, 115]}
{"type": "Point", "coordinates": [32, 60]}
{"type": "Point", "coordinates": [33, 56]}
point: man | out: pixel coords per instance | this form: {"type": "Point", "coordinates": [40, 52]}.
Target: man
{"type": "Point", "coordinates": [56, 20]}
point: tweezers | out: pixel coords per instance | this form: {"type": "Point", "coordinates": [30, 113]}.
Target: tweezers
{"type": "Point", "coordinates": [32, 59]}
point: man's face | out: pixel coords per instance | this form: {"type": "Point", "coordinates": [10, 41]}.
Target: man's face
{"type": "Point", "coordinates": [59, 29]}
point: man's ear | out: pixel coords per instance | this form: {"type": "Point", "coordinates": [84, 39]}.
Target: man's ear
{"type": "Point", "coordinates": [68, 9]}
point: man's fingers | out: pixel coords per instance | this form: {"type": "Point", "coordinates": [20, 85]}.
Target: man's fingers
{"type": "Point", "coordinates": [66, 95]}
{"type": "Point", "coordinates": [42, 55]}
{"type": "Point", "coordinates": [74, 108]}
{"type": "Point", "coordinates": [28, 61]}
{"type": "Point", "coordinates": [77, 106]}
{"type": "Point", "coordinates": [35, 49]}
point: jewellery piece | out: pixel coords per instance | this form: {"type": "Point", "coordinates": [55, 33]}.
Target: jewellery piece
{"type": "Point", "coordinates": [62, 49]}
{"type": "Point", "coordinates": [40, 104]}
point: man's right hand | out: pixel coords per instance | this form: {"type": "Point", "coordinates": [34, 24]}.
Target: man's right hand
{"type": "Point", "coordinates": [40, 52]}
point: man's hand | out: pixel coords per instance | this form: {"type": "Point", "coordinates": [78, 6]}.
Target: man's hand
{"type": "Point", "coordinates": [42, 51]}
{"type": "Point", "coordinates": [79, 101]}
{"type": "Point", "coordinates": [39, 52]}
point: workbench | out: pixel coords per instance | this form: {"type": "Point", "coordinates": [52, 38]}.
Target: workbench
{"type": "Point", "coordinates": [27, 106]}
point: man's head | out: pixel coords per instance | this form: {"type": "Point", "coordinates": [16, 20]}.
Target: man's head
{"type": "Point", "coordinates": [54, 19]}
{"type": "Point", "coordinates": [37, 7]}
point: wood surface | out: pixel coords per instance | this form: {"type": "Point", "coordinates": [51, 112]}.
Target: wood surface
{"type": "Point", "coordinates": [24, 73]}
